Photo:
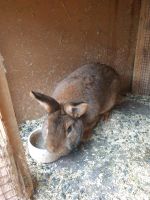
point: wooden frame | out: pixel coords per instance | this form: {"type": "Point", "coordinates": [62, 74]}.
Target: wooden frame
{"type": "Point", "coordinates": [141, 74]}
{"type": "Point", "coordinates": [15, 180]}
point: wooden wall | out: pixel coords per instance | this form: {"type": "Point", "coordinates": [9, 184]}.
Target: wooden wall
{"type": "Point", "coordinates": [43, 41]}
{"type": "Point", "coordinates": [141, 75]}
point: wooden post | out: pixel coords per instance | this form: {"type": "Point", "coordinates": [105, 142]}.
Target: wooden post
{"type": "Point", "coordinates": [14, 167]}
{"type": "Point", "coordinates": [141, 74]}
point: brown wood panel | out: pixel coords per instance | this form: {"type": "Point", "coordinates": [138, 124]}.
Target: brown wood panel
{"type": "Point", "coordinates": [11, 147]}
{"type": "Point", "coordinates": [141, 75]}
{"type": "Point", "coordinates": [43, 41]}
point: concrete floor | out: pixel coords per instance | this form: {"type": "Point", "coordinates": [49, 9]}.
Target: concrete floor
{"type": "Point", "coordinates": [114, 164]}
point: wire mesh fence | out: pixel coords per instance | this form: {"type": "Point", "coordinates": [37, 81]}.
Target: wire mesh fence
{"type": "Point", "coordinates": [7, 182]}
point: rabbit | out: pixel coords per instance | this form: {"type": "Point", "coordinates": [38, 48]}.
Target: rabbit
{"type": "Point", "coordinates": [76, 105]}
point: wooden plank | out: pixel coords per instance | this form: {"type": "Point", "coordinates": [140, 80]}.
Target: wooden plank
{"type": "Point", "coordinates": [141, 74]}
{"type": "Point", "coordinates": [12, 133]}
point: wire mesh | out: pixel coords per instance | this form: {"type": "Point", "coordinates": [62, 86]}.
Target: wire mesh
{"type": "Point", "coordinates": [7, 187]}
{"type": "Point", "coordinates": [11, 184]}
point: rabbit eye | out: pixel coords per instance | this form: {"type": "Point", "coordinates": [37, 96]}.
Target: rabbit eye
{"type": "Point", "coordinates": [69, 129]}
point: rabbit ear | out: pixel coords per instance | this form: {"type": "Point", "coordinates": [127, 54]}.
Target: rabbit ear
{"type": "Point", "coordinates": [76, 110]}
{"type": "Point", "coordinates": [49, 104]}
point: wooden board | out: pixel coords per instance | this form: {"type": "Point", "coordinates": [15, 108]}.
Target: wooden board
{"type": "Point", "coordinates": [141, 74]}
{"type": "Point", "coordinates": [14, 174]}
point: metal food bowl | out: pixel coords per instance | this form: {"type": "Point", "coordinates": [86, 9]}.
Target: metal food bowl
{"type": "Point", "coordinates": [37, 150]}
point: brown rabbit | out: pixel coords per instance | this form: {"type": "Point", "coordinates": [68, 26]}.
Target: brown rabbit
{"type": "Point", "coordinates": [76, 105]}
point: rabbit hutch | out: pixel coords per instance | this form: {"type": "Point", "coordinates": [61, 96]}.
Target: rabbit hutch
{"type": "Point", "coordinates": [41, 42]}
